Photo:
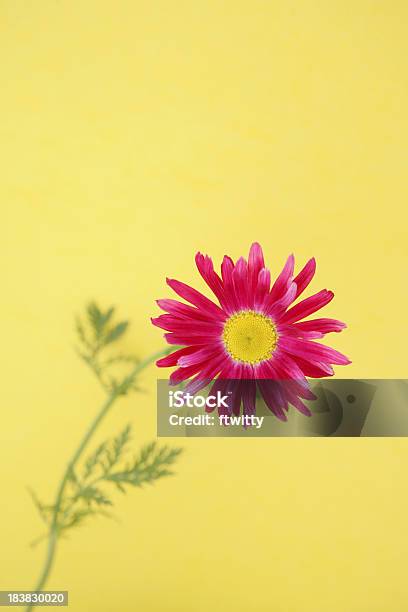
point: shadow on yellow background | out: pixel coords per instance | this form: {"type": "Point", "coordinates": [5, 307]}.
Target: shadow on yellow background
{"type": "Point", "coordinates": [133, 134]}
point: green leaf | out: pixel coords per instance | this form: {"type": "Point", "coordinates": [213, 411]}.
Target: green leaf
{"type": "Point", "coordinates": [44, 510]}
{"type": "Point", "coordinates": [120, 442]}
{"type": "Point", "coordinates": [77, 517]}
{"type": "Point", "coordinates": [92, 494]}
{"type": "Point", "coordinates": [151, 465]}
{"type": "Point", "coordinates": [94, 459]}
{"type": "Point", "coordinates": [116, 332]}
{"type": "Point", "coordinates": [95, 318]}
{"type": "Point", "coordinates": [81, 334]}
{"type": "Point", "coordinates": [94, 338]}
{"type": "Point", "coordinates": [107, 316]}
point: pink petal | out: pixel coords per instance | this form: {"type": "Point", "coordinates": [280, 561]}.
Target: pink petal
{"type": "Point", "coordinates": [311, 350]}
{"type": "Point", "coordinates": [276, 307]}
{"type": "Point", "coordinates": [182, 324]}
{"type": "Point", "coordinates": [248, 371]}
{"type": "Point", "coordinates": [304, 277]}
{"type": "Point", "coordinates": [291, 376]}
{"type": "Point", "coordinates": [190, 338]}
{"type": "Point", "coordinates": [320, 325]}
{"type": "Point", "coordinates": [255, 259]}
{"type": "Point", "coordinates": [264, 370]}
{"type": "Point", "coordinates": [236, 396]}
{"type": "Point", "coordinates": [284, 279]}
{"type": "Point", "coordinates": [273, 398]}
{"type": "Point", "coordinates": [183, 373]}
{"type": "Point", "coordinates": [172, 359]}
{"type": "Point", "coordinates": [249, 397]}
{"type": "Point", "coordinates": [179, 309]}
{"type": "Point", "coordinates": [228, 370]}
{"type": "Point", "coordinates": [195, 297]}
{"type": "Point", "coordinates": [287, 368]}
{"type": "Point", "coordinates": [314, 369]}
{"type": "Point", "coordinates": [294, 332]}
{"type": "Point", "coordinates": [308, 306]}
{"type": "Point", "coordinates": [262, 288]}
{"type": "Point", "coordinates": [227, 269]}
{"type": "Point", "coordinates": [206, 269]}
{"type": "Point", "coordinates": [298, 404]}
{"type": "Point", "coordinates": [207, 374]}
{"type": "Point", "coordinates": [202, 355]}
{"type": "Point", "coordinates": [255, 265]}
{"type": "Point", "coordinates": [240, 280]}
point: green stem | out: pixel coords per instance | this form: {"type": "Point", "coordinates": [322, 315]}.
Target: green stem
{"type": "Point", "coordinates": [53, 533]}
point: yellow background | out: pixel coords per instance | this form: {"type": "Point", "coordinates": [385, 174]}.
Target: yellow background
{"type": "Point", "coordinates": [134, 133]}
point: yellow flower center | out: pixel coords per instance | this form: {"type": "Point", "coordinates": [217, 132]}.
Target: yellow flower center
{"type": "Point", "coordinates": [250, 337]}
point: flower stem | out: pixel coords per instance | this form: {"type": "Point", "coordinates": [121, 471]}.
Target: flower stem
{"type": "Point", "coordinates": [107, 405]}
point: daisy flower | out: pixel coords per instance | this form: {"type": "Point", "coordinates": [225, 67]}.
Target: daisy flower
{"type": "Point", "coordinates": [254, 338]}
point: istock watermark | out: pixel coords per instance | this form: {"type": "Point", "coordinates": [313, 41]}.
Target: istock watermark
{"type": "Point", "coordinates": [207, 420]}
{"type": "Point", "coordinates": [178, 399]}
{"type": "Point", "coordinates": [219, 401]}
{"type": "Point", "coordinates": [339, 408]}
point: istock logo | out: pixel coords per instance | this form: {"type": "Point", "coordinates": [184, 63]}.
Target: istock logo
{"type": "Point", "coordinates": [178, 399]}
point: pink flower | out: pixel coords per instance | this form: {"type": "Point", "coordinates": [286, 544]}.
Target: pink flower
{"type": "Point", "coordinates": [254, 338]}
